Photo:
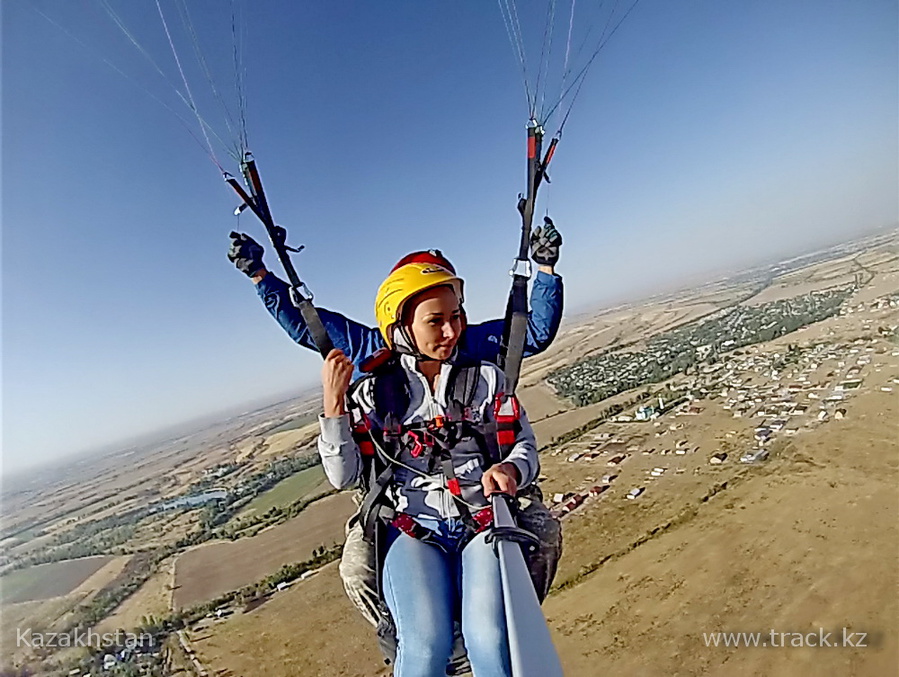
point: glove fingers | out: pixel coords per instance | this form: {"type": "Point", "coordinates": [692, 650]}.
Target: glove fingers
{"type": "Point", "coordinates": [552, 235]}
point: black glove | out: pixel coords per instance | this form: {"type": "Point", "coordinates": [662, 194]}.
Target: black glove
{"type": "Point", "coordinates": [245, 253]}
{"type": "Point", "coordinates": [545, 243]}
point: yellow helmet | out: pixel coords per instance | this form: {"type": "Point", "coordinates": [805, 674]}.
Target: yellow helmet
{"type": "Point", "coordinates": [401, 285]}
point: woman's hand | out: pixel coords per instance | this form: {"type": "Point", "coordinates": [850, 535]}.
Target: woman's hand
{"type": "Point", "coordinates": [337, 373]}
{"type": "Point", "coordinates": [502, 478]}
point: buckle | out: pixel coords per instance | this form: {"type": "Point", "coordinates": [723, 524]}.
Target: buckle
{"type": "Point", "coordinates": [502, 406]}
{"type": "Point", "coordinates": [518, 265]}
{"type": "Point", "coordinates": [418, 446]}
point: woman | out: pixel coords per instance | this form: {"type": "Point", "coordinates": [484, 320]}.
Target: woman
{"type": "Point", "coordinates": [438, 564]}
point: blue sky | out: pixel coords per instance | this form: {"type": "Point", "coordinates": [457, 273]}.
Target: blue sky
{"type": "Point", "coordinates": [708, 136]}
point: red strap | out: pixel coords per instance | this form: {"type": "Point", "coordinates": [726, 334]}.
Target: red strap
{"type": "Point", "coordinates": [366, 448]}
{"type": "Point", "coordinates": [417, 447]}
{"type": "Point", "coordinates": [361, 433]}
{"type": "Point", "coordinates": [506, 409]}
{"type": "Point", "coordinates": [409, 526]}
{"type": "Point", "coordinates": [454, 487]}
{"type": "Point", "coordinates": [507, 412]}
{"type": "Point", "coordinates": [375, 360]}
{"type": "Point", "coordinates": [483, 518]}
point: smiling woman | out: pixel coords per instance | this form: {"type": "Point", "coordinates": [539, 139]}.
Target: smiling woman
{"type": "Point", "coordinates": [424, 438]}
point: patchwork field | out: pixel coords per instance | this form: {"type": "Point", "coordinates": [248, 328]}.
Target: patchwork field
{"type": "Point", "coordinates": [213, 569]}
{"type": "Point", "coordinates": [774, 547]}
{"type": "Point", "coordinates": [802, 543]}
{"type": "Point", "coordinates": [306, 483]}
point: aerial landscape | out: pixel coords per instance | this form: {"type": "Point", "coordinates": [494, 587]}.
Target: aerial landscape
{"type": "Point", "coordinates": [737, 474]}
{"type": "Point", "coordinates": [530, 338]}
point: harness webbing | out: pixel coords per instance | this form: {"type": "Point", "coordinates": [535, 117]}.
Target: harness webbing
{"type": "Point", "coordinates": [437, 438]}
{"type": "Point", "coordinates": [516, 319]}
{"type": "Point", "coordinates": [299, 292]}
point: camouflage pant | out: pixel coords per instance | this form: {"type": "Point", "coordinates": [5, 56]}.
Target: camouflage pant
{"type": "Point", "coordinates": [357, 565]}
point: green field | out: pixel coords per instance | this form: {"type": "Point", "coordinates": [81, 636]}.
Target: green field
{"type": "Point", "coordinates": [48, 580]}
{"type": "Point", "coordinates": [304, 484]}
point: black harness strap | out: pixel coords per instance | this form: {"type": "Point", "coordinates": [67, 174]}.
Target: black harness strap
{"type": "Point", "coordinates": [463, 387]}
{"type": "Point", "coordinates": [299, 292]}
{"type": "Point", "coordinates": [516, 319]}
{"type": "Point", "coordinates": [374, 509]}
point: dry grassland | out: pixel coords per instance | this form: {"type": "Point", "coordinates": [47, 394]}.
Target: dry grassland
{"type": "Point", "coordinates": [213, 569]}
{"type": "Point", "coordinates": [540, 401]}
{"type": "Point", "coordinates": [883, 283]}
{"type": "Point", "coordinates": [796, 546]}
{"type": "Point", "coordinates": [309, 629]}
{"type": "Point", "coordinates": [771, 547]}
{"type": "Point", "coordinates": [290, 440]}
{"type": "Point", "coordinates": [39, 615]}
{"type": "Point", "coordinates": [153, 598]}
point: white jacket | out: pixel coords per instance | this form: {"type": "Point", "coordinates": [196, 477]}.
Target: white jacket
{"type": "Point", "coordinates": [411, 493]}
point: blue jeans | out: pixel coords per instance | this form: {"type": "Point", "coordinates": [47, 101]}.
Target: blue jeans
{"type": "Point", "coordinates": [425, 585]}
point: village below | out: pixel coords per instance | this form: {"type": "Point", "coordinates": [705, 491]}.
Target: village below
{"type": "Point", "coordinates": [723, 460]}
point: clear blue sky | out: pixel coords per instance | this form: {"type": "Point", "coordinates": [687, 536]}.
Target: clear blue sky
{"type": "Point", "coordinates": [709, 135]}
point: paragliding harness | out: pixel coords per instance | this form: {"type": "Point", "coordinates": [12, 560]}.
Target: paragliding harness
{"type": "Point", "coordinates": [380, 448]}
{"type": "Point", "coordinates": [435, 439]}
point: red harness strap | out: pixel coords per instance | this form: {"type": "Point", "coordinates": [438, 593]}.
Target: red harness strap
{"type": "Point", "coordinates": [409, 526]}
{"type": "Point", "coordinates": [483, 519]}
{"type": "Point", "coordinates": [506, 411]}
{"type": "Point", "coordinates": [362, 436]}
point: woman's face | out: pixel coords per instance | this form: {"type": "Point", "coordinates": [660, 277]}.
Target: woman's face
{"type": "Point", "coordinates": [435, 322]}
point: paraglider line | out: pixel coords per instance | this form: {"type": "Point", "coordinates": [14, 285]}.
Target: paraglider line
{"type": "Point", "coordinates": [135, 83]}
{"type": "Point", "coordinates": [192, 104]}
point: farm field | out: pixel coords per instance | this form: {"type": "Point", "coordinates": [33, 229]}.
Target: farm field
{"type": "Point", "coordinates": [49, 580]}
{"type": "Point", "coordinates": [210, 570]}
{"type": "Point", "coordinates": [50, 613]}
{"type": "Point", "coordinates": [705, 548]}
{"type": "Point", "coordinates": [811, 522]}
{"type": "Point", "coordinates": [153, 598]}
{"type": "Point", "coordinates": [295, 423]}
{"type": "Point", "coordinates": [305, 483]}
